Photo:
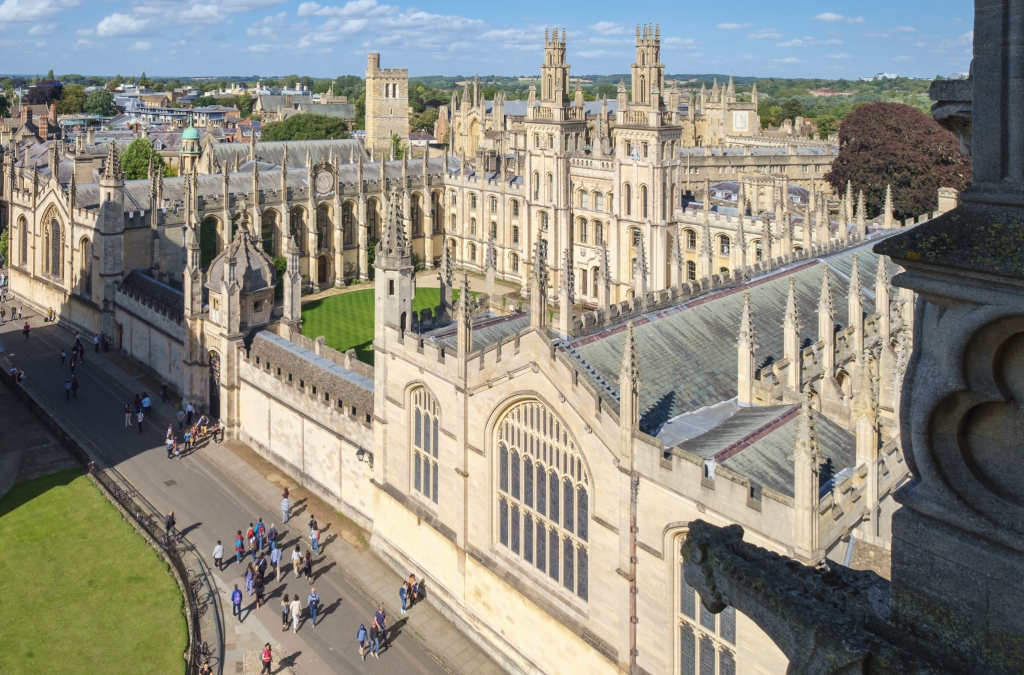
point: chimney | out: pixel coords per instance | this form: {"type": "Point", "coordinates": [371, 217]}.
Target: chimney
{"type": "Point", "coordinates": [53, 114]}
{"type": "Point", "coordinates": [90, 136]}
{"type": "Point", "coordinates": [44, 128]}
{"type": "Point", "coordinates": [26, 114]}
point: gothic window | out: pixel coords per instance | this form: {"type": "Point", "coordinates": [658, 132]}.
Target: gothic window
{"type": "Point", "coordinates": [515, 208]}
{"type": "Point", "coordinates": [598, 232]}
{"type": "Point", "coordinates": [593, 278]}
{"type": "Point", "coordinates": [583, 282]}
{"type": "Point", "coordinates": [348, 220]}
{"type": "Point", "coordinates": [707, 655]}
{"type": "Point", "coordinates": [56, 269]}
{"type": "Point", "coordinates": [643, 201]}
{"type": "Point", "coordinates": [628, 190]}
{"type": "Point", "coordinates": [551, 187]}
{"type": "Point", "coordinates": [46, 250]}
{"type": "Point", "coordinates": [323, 226]}
{"type": "Point", "coordinates": [425, 423]}
{"type": "Point", "coordinates": [543, 496]}
{"type": "Point", "coordinates": [723, 245]}
{"type": "Point", "coordinates": [515, 234]}
{"type": "Point", "coordinates": [691, 270]}
{"type": "Point", "coordinates": [453, 223]}
{"type": "Point", "coordinates": [494, 204]}
{"type": "Point", "coordinates": [372, 219]}
{"type": "Point", "coordinates": [727, 662]}
{"type": "Point", "coordinates": [536, 185]}
{"type": "Point", "coordinates": [701, 647]}
{"type": "Point", "coordinates": [472, 201]}
{"type": "Point", "coordinates": [691, 240]}
{"type": "Point", "coordinates": [582, 230]}
{"type": "Point", "coordinates": [727, 624]}
{"type": "Point", "coordinates": [85, 268]}
{"type": "Point", "coordinates": [471, 253]}
{"type": "Point", "coordinates": [416, 214]}
{"type": "Point", "coordinates": [598, 201]}
{"type": "Point", "coordinates": [494, 230]}
{"type": "Point", "coordinates": [687, 650]}
{"type": "Point", "coordinates": [472, 226]}
{"type": "Point", "coordinates": [435, 212]}
{"type": "Point", "coordinates": [643, 86]}
{"type": "Point", "coordinates": [636, 237]}
{"type": "Point", "coordinates": [543, 248]}
{"type": "Point", "coordinates": [268, 230]}
{"type": "Point", "coordinates": [208, 241]}
{"type": "Point", "coordinates": [23, 228]}
{"type": "Point", "coordinates": [584, 199]}
{"type": "Point", "coordinates": [758, 251]}
{"type": "Point", "coordinates": [454, 199]}
{"type": "Point", "coordinates": [514, 263]}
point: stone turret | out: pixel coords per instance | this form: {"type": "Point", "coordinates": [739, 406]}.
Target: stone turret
{"type": "Point", "coordinates": [292, 287]}
{"type": "Point", "coordinates": [538, 288]}
{"type": "Point", "coordinates": [394, 280]}
{"type": "Point", "coordinates": [745, 349]}
{"type": "Point", "coordinates": [806, 476]}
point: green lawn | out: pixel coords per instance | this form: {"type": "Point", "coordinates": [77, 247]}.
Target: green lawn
{"type": "Point", "coordinates": [80, 591]}
{"type": "Point", "coordinates": [346, 320]}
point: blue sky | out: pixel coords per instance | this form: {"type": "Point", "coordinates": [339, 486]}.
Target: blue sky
{"type": "Point", "coordinates": [330, 38]}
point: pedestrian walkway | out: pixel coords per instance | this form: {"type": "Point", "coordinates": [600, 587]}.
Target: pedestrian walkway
{"type": "Point", "coordinates": [220, 491]}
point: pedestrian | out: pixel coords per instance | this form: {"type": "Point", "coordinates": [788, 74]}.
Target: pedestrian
{"type": "Point", "coordinates": [3, 313]}
{"type": "Point", "coordinates": [250, 574]}
{"type": "Point", "coordinates": [26, 329]}
{"type": "Point", "coordinates": [163, 393]}
{"type": "Point", "coordinates": [189, 411]}
{"type": "Point", "coordinates": [205, 669]}
{"type": "Point", "coordinates": [286, 507]}
{"type": "Point", "coordinates": [218, 556]}
{"type": "Point", "coordinates": [296, 608]}
{"type": "Point", "coordinates": [307, 566]}
{"type": "Point", "coordinates": [236, 603]}
{"type": "Point", "coordinates": [96, 342]}
{"type": "Point", "coordinates": [204, 425]}
{"type": "Point", "coordinates": [266, 656]}
{"type": "Point", "coordinates": [259, 587]}
{"type": "Point", "coordinates": [146, 404]}
{"type": "Point", "coordinates": [239, 547]}
{"type": "Point", "coordinates": [261, 532]}
{"type": "Point", "coordinates": [414, 589]}
{"type": "Point", "coordinates": [63, 355]}
{"type": "Point", "coordinates": [403, 594]}
{"type": "Point", "coordinates": [252, 546]}
{"type": "Point", "coordinates": [261, 565]}
{"type": "Point", "coordinates": [313, 602]}
{"type": "Point", "coordinates": [169, 444]}
{"type": "Point", "coordinates": [139, 418]}
{"type": "Point", "coordinates": [374, 641]}
{"type": "Point", "coordinates": [170, 432]}
{"type": "Point", "coordinates": [19, 313]}
{"type": "Point", "coordinates": [312, 525]}
{"type": "Point", "coordinates": [128, 414]}
{"type": "Point", "coordinates": [74, 362]}
{"type": "Point", "coordinates": [177, 450]}
{"type": "Point", "coordinates": [275, 562]}
{"type": "Point", "coordinates": [169, 523]}
{"type": "Point", "coordinates": [74, 387]}
{"type": "Point", "coordinates": [315, 538]}
{"type": "Point", "coordinates": [215, 432]}
{"type": "Point", "coordinates": [380, 619]}
{"type": "Point", "coordinates": [285, 606]}
{"type": "Point", "coordinates": [67, 389]}
{"type": "Point", "coordinates": [181, 420]}
{"type": "Point", "coordinates": [137, 402]}
{"type": "Point", "coordinates": [297, 562]}
{"type": "Point", "coordinates": [361, 639]}
{"type": "Point", "coordinates": [188, 439]}
{"type": "Point", "coordinates": [272, 537]}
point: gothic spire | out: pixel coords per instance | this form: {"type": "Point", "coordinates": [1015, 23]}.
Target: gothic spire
{"type": "Point", "coordinates": [112, 169]}
{"type": "Point", "coordinates": [393, 241]}
{"type": "Point", "coordinates": [792, 318]}
{"type": "Point", "coordinates": [825, 303]}
{"type": "Point", "coordinates": [746, 336]}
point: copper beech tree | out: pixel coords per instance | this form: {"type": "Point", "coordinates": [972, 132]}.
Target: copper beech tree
{"type": "Point", "coordinates": [893, 144]}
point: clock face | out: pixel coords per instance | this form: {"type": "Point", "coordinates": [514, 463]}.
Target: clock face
{"type": "Point", "coordinates": [324, 182]}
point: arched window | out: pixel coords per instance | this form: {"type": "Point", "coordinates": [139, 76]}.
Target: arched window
{"type": "Point", "coordinates": [515, 234]}
{"type": "Point", "coordinates": [494, 230]}
{"type": "Point", "coordinates": [536, 185]}
{"type": "Point", "coordinates": [85, 266]}
{"type": "Point", "coordinates": [594, 272]}
{"type": "Point", "coordinates": [372, 219]}
{"type": "Point", "coordinates": [598, 233]}
{"type": "Point", "coordinates": [416, 214]}
{"type": "Point", "coordinates": [513, 262]}
{"type": "Point", "coordinates": [628, 191]}
{"type": "Point", "coordinates": [543, 247]}
{"type": "Point", "coordinates": [584, 199]}
{"type": "Point", "coordinates": [551, 187]}
{"type": "Point", "coordinates": [323, 226]}
{"type": "Point", "coordinates": [584, 288]}
{"type": "Point", "coordinates": [46, 250]}
{"type": "Point", "coordinates": [543, 220]}
{"type": "Point", "coordinates": [454, 223]}
{"type": "Point", "coordinates": [723, 244]}
{"type": "Point", "coordinates": [636, 237]}
{"type": "Point", "coordinates": [454, 199]}
{"type": "Point", "coordinates": [425, 436]}
{"type": "Point", "coordinates": [758, 250]}
{"type": "Point", "coordinates": [23, 231]}
{"type": "Point", "coordinates": [515, 208]}
{"type": "Point", "coordinates": [704, 638]}
{"type": "Point", "coordinates": [56, 269]}
{"type": "Point", "coordinates": [268, 231]}
{"type": "Point", "coordinates": [691, 240]}
{"type": "Point", "coordinates": [472, 226]}
{"type": "Point", "coordinates": [471, 253]}
{"type": "Point", "coordinates": [208, 240]}
{"type": "Point", "coordinates": [643, 201]}
{"type": "Point", "coordinates": [472, 201]}
{"type": "Point", "coordinates": [598, 201]}
{"type": "Point", "coordinates": [643, 87]}
{"type": "Point", "coordinates": [582, 234]}
{"type": "Point", "coordinates": [691, 270]}
{"type": "Point", "coordinates": [643, 61]}
{"type": "Point", "coordinates": [494, 204]}
{"type": "Point", "coordinates": [543, 497]}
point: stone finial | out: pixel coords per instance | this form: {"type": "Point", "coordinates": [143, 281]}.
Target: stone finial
{"type": "Point", "coordinates": [825, 303]}
{"type": "Point", "coordinates": [112, 167]}
{"type": "Point", "coordinates": [887, 213]}
{"type": "Point", "coordinates": [629, 373]}
{"type": "Point", "coordinates": [567, 285]}
{"type": "Point", "coordinates": [746, 334]}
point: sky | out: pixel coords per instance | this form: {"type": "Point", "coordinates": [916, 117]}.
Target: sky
{"type": "Point", "coordinates": [328, 38]}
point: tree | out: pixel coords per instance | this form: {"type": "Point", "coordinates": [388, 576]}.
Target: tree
{"type": "Point", "coordinates": [144, 81]}
{"type": "Point", "coordinates": [100, 102]}
{"type": "Point", "coordinates": [305, 127]}
{"type": "Point", "coordinates": [397, 146]}
{"type": "Point", "coordinates": [894, 144]}
{"type": "Point", "coordinates": [45, 92]}
{"type": "Point", "coordinates": [5, 106]}
{"type": "Point", "coordinates": [158, 87]}
{"type": "Point", "coordinates": [49, 74]}
{"type": "Point", "coordinates": [3, 247]}
{"type": "Point", "coordinates": [72, 100]}
{"type": "Point", "coordinates": [424, 122]}
{"type": "Point", "coordinates": [136, 158]}
{"type": "Point", "coordinates": [203, 101]}
{"type": "Point", "coordinates": [791, 109]}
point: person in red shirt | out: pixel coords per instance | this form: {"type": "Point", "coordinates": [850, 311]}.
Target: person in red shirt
{"type": "Point", "coordinates": [266, 656]}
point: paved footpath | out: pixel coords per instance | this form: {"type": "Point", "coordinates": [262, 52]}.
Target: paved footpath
{"type": "Point", "coordinates": [214, 493]}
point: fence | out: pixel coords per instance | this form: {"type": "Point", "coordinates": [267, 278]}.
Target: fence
{"type": "Point", "coordinates": [202, 613]}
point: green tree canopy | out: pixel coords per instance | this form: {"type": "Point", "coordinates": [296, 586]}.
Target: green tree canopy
{"type": "Point", "coordinates": [136, 158]}
{"type": "Point", "coordinates": [791, 109]}
{"type": "Point", "coordinates": [144, 81]}
{"type": "Point", "coordinates": [49, 74]}
{"type": "Point", "coordinates": [893, 144]}
{"type": "Point", "coordinates": [72, 100]}
{"type": "Point", "coordinates": [100, 102]}
{"type": "Point", "coordinates": [306, 127]}
{"type": "Point", "coordinates": [203, 101]}
{"type": "Point", "coordinates": [424, 122]}
{"type": "Point", "coordinates": [5, 106]}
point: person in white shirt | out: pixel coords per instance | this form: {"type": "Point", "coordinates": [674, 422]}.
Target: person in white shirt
{"type": "Point", "coordinates": [218, 555]}
{"type": "Point", "coordinates": [297, 562]}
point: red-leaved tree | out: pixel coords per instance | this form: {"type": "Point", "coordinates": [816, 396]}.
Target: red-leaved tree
{"type": "Point", "coordinates": [893, 144]}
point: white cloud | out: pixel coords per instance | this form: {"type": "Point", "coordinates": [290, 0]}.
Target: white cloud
{"type": "Point", "coordinates": [789, 60]}
{"type": "Point", "coordinates": [674, 43]}
{"type": "Point", "coordinates": [268, 26]}
{"type": "Point", "coordinates": [837, 57]}
{"type": "Point", "coordinates": [609, 28]}
{"type": "Point", "coordinates": [905, 29]}
{"type": "Point", "coordinates": [85, 31]}
{"type": "Point", "coordinates": [832, 17]}
{"type": "Point", "coordinates": [141, 46]}
{"type": "Point", "coordinates": [733, 26]}
{"type": "Point", "coordinates": [901, 58]}
{"type": "Point", "coordinates": [765, 34]}
{"type": "Point", "coordinates": [22, 11]}
{"type": "Point", "coordinates": [808, 42]}
{"type": "Point", "coordinates": [42, 29]}
{"type": "Point", "coordinates": [121, 24]}
{"type": "Point", "coordinates": [83, 44]}
{"type": "Point", "coordinates": [353, 8]}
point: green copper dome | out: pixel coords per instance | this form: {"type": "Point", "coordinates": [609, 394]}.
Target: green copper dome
{"type": "Point", "coordinates": [190, 134]}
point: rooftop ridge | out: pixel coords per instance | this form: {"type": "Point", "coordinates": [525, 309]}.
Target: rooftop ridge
{"type": "Point", "coordinates": [738, 446]}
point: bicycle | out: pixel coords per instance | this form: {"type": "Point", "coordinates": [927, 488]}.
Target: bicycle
{"type": "Point", "coordinates": [201, 650]}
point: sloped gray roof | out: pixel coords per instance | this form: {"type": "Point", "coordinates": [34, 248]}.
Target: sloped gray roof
{"type": "Point", "coordinates": [688, 351]}
{"type": "Point", "coordinates": [141, 284]}
{"type": "Point", "coordinates": [486, 331]}
{"type": "Point", "coordinates": [273, 151]}
{"type": "Point", "coordinates": [343, 110]}
{"type": "Point", "coordinates": [256, 269]}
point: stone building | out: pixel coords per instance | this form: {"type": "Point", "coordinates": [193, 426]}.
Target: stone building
{"type": "Point", "coordinates": [387, 106]}
{"type": "Point", "coordinates": [685, 354]}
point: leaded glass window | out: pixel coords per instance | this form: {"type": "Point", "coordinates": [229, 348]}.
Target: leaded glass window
{"type": "Point", "coordinates": [582, 573]}
{"type": "Point", "coordinates": [553, 553]}
{"type": "Point", "coordinates": [707, 619]}
{"type": "Point", "coordinates": [707, 655]}
{"type": "Point", "coordinates": [553, 496]}
{"type": "Point", "coordinates": [528, 483]}
{"type": "Point", "coordinates": [727, 663]}
{"type": "Point", "coordinates": [542, 548]}
{"type": "Point", "coordinates": [568, 496]}
{"type": "Point", "coordinates": [503, 520]}
{"type": "Point", "coordinates": [687, 650]}
{"type": "Point", "coordinates": [582, 513]}
{"type": "Point", "coordinates": [503, 468]}
{"type": "Point", "coordinates": [727, 625]}
{"type": "Point", "coordinates": [528, 537]}
{"type": "Point", "coordinates": [515, 528]}
{"type": "Point", "coordinates": [515, 474]}
{"type": "Point", "coordinates": [701, 647]}
{"type": "Point", "coordinates": [425, 416]}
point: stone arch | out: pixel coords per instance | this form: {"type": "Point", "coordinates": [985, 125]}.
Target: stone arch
{"type": "Point", "coordinates": [845, 383]}
{"type": "Point", "coordinates": [416, 213]}
{"type": "Point", "coordinates": [372, 218]}
{"type": "Point", "coordinates": [297, 227]}
{"type": "Point", "coordinates": [323, 269]}
{"type": "Point", "coordinates": [436, 211]}
{"type": "Point", "coordinates": [513, 263]}
{"type": "Point", "coordinates": [23, 231]}
{"type": "Point", "coordinates": [268, 232]}
{"type": "Point", "coordinates": [85, 267]}
{"type": "Point", "coordinates": [348, 222]}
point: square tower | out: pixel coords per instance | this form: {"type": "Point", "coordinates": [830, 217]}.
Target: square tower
{"type": "Point", "coordinates": [387, 106]}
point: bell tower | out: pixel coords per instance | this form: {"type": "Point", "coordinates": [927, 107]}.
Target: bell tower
{"type": "Point", "coordinates": [554, 72]}
{"type": "Point", "coordinates": [648, 71]}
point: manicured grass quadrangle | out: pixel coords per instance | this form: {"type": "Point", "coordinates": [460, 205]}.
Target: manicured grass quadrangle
{"type": "Point", "coordinates": [80, 591]}
{"type": "Point", "coordinates": [346, 320]}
